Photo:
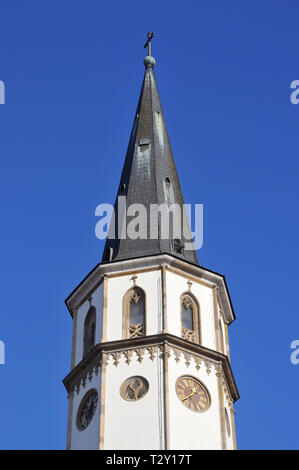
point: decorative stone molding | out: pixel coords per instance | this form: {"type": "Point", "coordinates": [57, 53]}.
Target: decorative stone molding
{"type": "Point", "coordinates": [128, 355]}
{"type": "Point", "coordinates": [197, 361]}
{"type": "Point", "coordinates": [219, 374]}
{"type": "Point", "coordinates": [140, 353]}
{"type": "Point", "coordinates": [187, 357]}
{"type": "Point", "coordinates": [177, 354]}
{"type": "Point", "coordinates": [133, 296]}
{"type": "Point", "coordinates": [152, 352]}
{"type": "Point", "coordinates": [208, 367]}
{"type": "Point", "coordinates": [136, 330]}
{"type": "Point", "coordinates": [226, 390]}
{"type": "Point", "coordinates": [116, 356]}
{"type": "Point", "coordinates": [166, 344]}
{"type": "Point", "coordinates": [96, 368]}
{"type": "Point", "coordinates": [188, 335]}
{"type": "Point", "coordinates": [230, 405]}
{"type": "Point", "coordinates": [224, 383]}
{"type": "Point", "coordinates": [87, 374]}
{"type": "Point", "coordinates": [187, 301]}
{"type": "Point", "coordinates": [84, 380]}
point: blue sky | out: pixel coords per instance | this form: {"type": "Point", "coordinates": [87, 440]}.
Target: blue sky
{"type": "Point", "coordinates": [73, 72]}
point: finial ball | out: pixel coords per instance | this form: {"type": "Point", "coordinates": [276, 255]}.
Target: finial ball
{"type": "Point", "coordinates": [149, 60]}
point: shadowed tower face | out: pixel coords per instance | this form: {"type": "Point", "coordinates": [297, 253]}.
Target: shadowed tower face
{"type": "Point", "coordinates": [149, 178]}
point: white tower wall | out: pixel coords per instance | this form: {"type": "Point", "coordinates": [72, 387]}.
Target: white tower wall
{"type": "Point", "coordinates": [159, 420]}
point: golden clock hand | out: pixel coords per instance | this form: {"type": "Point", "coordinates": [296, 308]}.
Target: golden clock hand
{"type": "Point", "coordinates": [191, 394]}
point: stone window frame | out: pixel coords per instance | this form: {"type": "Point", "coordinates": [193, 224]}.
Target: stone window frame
{"type": "Point", "coordinates": [168, 191]}
{"type": "Point", "coordinates": [185, 333]}
{"type": "Point", "coordinates": [126, 313]}
{"type": "Point", "coordinates": [86, 330]}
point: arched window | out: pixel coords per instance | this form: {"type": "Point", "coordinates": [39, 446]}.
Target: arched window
{"type": "Point", "coordinates": [168, 192]}
{"type": "Point", "coordinates": [89, 331]}
{"type": "Point", "coordinates": [134, 313]}
{"type": "Point", "coordinates": [190, 322]}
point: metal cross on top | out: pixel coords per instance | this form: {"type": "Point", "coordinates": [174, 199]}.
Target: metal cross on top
{"type": "Point", "coordinates": [148, 42]}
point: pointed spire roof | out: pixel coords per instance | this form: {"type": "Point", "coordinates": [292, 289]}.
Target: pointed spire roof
{"type": "Point", "coordinates": [149, 177]}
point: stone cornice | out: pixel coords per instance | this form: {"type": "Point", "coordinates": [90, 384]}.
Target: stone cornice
{"type": "Point", "coordinates": [95, 277]}
{"type": "Point", "coordinates": [164, 341]}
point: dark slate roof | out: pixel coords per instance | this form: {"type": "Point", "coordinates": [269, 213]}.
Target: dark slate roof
{"type": "Point", "coordinates": [148, 168]}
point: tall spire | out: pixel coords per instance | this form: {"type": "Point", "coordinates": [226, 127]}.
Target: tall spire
{"type": "Point", "coordinates": [149, 177]}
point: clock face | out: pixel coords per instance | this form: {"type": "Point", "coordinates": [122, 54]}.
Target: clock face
{"type": "Point", "coordinates": [87, 409]}
{"type": "Point", "coordinates": [192, 393]}
{"type": "Point", "coordinates": [134, 388]}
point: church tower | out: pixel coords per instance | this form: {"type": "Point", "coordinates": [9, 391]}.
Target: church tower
{"type": "Point", "coordinates": [150, 366]}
